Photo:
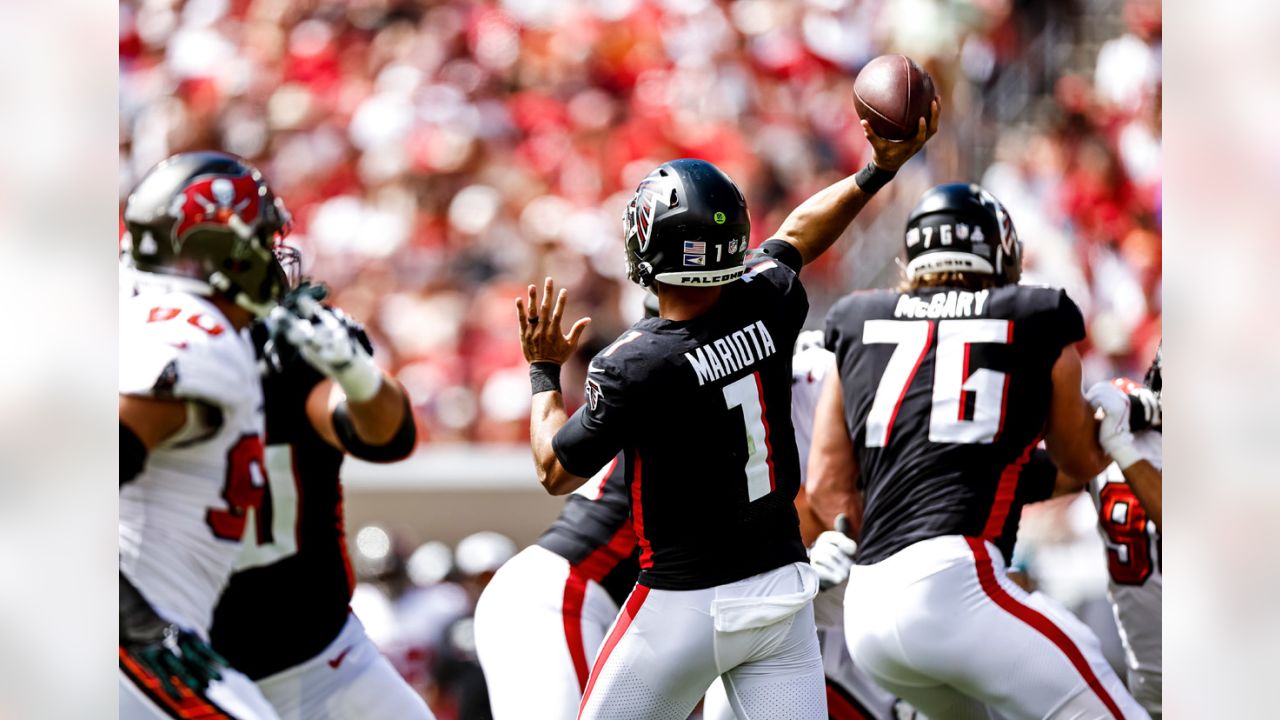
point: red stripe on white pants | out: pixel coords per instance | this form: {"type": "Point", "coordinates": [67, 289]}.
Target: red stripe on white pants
{"type": "Point", "coordinates": [1038, 622]}
{"type": "Point", "coordinates": [629, 612]}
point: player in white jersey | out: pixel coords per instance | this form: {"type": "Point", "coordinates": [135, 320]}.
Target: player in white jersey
{"type": "Point", "coordinates": [851, 693]}
{"type": "Point", "coordinates": [1125, 494]}
{"type": "Point", "coordinates": [202, 229]}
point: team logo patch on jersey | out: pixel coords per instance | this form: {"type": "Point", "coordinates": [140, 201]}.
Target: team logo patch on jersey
{"type": "Point", "coordinates": [592, 393]}
{"type": "Point", "coordinates": [228, 201]}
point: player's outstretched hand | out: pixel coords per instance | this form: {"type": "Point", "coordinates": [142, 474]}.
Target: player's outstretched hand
{"type": "Point", "coordinates": [324, 339]}
{"type": "Point", "coordinates": [832, 556]}
{"type": "Point", "coordinates": [893, 154]}
{"type": "Point", "coordinates": [1111, 405]}
{"type": "Point", "coordinates": [540, 336]}
{"type": "Point", "coordinates": [181, 659]}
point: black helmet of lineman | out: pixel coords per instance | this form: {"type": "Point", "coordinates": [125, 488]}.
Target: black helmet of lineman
{"type": "Point", "coordinates": [962, 228]}
{"type": "Point", "coordinates": [686, 225]}
{"type": "Point", "coordinates": [207, 222]}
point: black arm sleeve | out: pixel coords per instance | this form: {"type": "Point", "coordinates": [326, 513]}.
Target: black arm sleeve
{"type": "Point", "coordinates": [397, 448]}
{"type": "Point", "coordinates": [784, 252]}
{"type": "Point", "coordinates": [133, 454]}
{"type": "Point", "coordinates": [594, 434]}
{"type": "Point", "coordinates": [1038, 476]}
{"type": "Point", "coordinates": [139, 622]}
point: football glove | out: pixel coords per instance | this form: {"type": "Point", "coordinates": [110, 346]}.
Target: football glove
{"type": "Point", "coordinates": [809, 339]}
{"type": "Point", "coordinates": [832, 556]}
{"type": "Point", "coordinates": [179, 658]}
{"type": "Point", "coordinates": [324, 338]}
{"type": "Point", "coordinates": [1111, 404]}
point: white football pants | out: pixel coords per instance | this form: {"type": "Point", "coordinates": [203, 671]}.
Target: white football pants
{"type": "Point", "coordinates": [940, 625]}
{"type": "Point", "coordinates": [538, 626]}
{"type": "Point", "coordinates": [667, 646]}
{"type": "Point", "coordinates": [348, 680]}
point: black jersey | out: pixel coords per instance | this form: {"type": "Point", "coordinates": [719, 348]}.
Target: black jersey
{"type": "Point", "coordinates": [290, 595]}
{"type": "Point", "coordinates": [594, 533]}
{"type": "Point", "coordinates": [946, 395]}
{"type": "Point", "coordinates": [702, 411]}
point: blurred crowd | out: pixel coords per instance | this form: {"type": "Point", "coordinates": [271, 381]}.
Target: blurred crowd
{"type": "Point", "coordinates": [438, 156]}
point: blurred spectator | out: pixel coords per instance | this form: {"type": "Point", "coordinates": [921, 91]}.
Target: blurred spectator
{"type": "Point", "coordinates": [439, 156]}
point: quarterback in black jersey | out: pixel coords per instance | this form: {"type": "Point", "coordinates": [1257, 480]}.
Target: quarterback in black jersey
{"type": "Point", "coordinates": [285, 613]}
{"type": "Point", "coordinates": [699, 401]}
{"type": "Point", "coordinates": [944, 389]}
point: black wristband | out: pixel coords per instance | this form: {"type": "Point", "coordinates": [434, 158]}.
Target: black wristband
{"type": "Point", "coordinates": [544, 376]}
{"type": "Point", "coordinates": [872, 177]}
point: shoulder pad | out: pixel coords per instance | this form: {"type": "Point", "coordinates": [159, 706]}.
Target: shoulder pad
{"type": "Point", "coordinates": [176, 345]}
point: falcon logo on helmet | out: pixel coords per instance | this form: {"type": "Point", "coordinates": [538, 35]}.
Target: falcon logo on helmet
{"type": "Point", "coordinates": [687, 224]}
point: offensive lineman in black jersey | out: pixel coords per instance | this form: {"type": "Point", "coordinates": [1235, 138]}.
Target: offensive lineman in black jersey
{"type": "Point", "coordinates": [699, 402]}
{"type": "Point", "coordinates": [944, 389]}
{"type": "Point", "coordinates": [543, 617]}
{"type": "Point", "coordinates": [285, 613]}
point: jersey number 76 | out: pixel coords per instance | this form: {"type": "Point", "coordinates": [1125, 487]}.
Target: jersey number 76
{"type": "Point", "coordinates": [953, 379]}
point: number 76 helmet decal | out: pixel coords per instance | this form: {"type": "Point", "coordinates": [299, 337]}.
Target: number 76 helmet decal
{"type": "Point", "coordinates": [962, 228]}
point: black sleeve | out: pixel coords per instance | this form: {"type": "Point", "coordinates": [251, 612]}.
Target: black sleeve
{"type": "Point", "coordinates": [397, 448]}
{"type": "Point", "coordinates": [784, 252]}
{"type": "Point", "coordinates": [1038, 476]}
{"type": "Point", "coordinates": [139, 622]}
{"type": "Point", "coordinates": [133, 454]}
{"type": "Point", "coordinates": [1068, 318]}
{"type": "Point", "coordinates": [594, 434]}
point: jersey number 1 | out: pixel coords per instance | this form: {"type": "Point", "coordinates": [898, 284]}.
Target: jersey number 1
{"type": "Point", "coordinates": [952, 379]}
{"type": "Point", "coordinates": [748, 394]}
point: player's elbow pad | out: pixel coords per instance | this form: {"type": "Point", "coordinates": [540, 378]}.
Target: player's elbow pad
{"type": "Point", "coordinates": [133, 454]}
{"type": "Point", "coordinates": [398, 447]}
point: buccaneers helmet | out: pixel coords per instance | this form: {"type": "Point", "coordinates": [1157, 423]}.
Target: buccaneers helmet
{"type": "Point", "coordinates": [207, 222]}
{"type": "Point", "coordinates": [962, 228]}
{"type": "Point", "coordinates": [686, 225]}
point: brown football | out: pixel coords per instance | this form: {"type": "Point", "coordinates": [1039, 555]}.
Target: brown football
{"type": "Point", "coordinates": [892, 93]}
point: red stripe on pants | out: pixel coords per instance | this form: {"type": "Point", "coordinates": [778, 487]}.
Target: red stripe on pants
{"type": "Point", "coordinates": [575, 591]}
{"type": "Point", "coordinates": [841, 706]}
{"type": "Point", "coordinates": [1038, 622]}
{"type": "Point", "coordinates": [629, 612]}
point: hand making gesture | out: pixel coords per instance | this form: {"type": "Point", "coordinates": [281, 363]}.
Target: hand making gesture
{"type": "Point", "coordinates": [540, 336]}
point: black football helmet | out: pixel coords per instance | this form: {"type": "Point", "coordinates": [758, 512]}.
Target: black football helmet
{"type": "Point", "coordinates": [962, 228]}
{"type": "Point", "coordinates": [207, 222]}
{"type": "Point", "coordinates": [687, 225]}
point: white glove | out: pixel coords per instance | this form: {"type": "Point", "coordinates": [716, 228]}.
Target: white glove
{"type": "Point", "coordinates": [832, 557]}
{"type": "Point", "coordinates": [1112, 409]}
{"type": "Point", "coordinates": [809, 339]}
{"type": "Point", "coordinates": [325, 343]}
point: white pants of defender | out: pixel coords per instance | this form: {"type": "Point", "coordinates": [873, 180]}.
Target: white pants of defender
{"type": "Point", "coordinates": [941, 626]}
{"type": "Point", "coordinates": [348, 680]}
{"type": "Point", "coordinates": [667, 647]}
{"type": "Point", "coordinates": [537, 634]}
{"type": "Point", "coordinates": [233, 696]}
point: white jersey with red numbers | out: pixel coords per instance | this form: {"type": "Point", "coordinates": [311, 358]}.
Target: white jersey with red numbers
{"type": "Point", "coordinates": [809, 368]}
{"type": "Point", "coordinates": [182, 518]}
{"type": "Point", "coordinates": [1135, 582]}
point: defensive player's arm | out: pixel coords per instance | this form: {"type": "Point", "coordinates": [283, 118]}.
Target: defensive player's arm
{"type": "Point", "coordinates": [1147, 483]}
{"type": "Point", "coordinates": [546, 349]}
{"type": "Point", "coordinates": [831, 485]}
{"type": "Point", "coordinates": [1072, 435]}
{"type": "Point", "coordinates": [819, 221]}
{"type": "Point", "coordinates": [380, 429]}
{"type": "Point", "coordinates": [145, 422]}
